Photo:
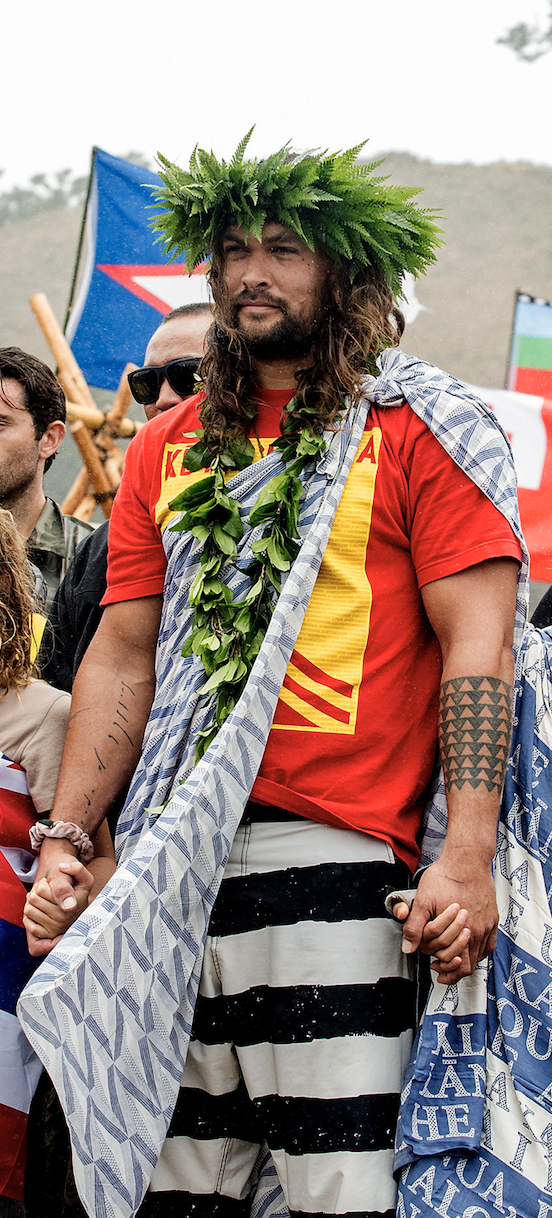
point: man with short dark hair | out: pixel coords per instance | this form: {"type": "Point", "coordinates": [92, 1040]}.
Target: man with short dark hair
{"type": "Point", "coordinates": [314, 578]}
{"type": "Point", "coordinates": [32, 427]}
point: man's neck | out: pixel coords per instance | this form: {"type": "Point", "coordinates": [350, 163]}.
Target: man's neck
{"type": "Point", "coordinates": [277, 374]}
{"type": "Point", "coordinates": [25, 507]}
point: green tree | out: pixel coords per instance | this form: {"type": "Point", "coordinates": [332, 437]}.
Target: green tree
{"type": "Point", "coordinates": [529, 42]}
{"type": "Point", "coordinates": [45, 192]}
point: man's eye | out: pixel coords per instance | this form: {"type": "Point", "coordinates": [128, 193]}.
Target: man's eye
{"type": "Point", "coordinates": [284, 249]}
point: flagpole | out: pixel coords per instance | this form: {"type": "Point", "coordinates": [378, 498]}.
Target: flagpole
{"type": "Point", "coordinates": [511, 347]}
{"type": "Point", "coordinates": [81, 240]}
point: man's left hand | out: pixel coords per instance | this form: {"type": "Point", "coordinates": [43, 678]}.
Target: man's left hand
{"type": "Point", "coordinates": [469, 883]}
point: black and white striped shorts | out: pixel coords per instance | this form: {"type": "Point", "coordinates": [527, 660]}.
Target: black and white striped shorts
{"type": "Point", "coordinates": [302, 1031]}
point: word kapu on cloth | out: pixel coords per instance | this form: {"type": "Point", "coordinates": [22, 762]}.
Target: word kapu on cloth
{"type": "Point", "coordinates": [110, 1010]}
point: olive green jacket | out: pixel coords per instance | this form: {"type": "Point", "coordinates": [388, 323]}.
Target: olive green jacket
{"type": "Point", "coordinates": [52, 544]}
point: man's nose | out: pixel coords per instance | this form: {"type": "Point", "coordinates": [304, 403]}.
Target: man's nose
{"type": "Point", "coordinates": [256, 273]}
{"type": "Point", "coordinates": [167, 396]}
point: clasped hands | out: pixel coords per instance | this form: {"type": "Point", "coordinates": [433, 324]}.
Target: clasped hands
{"type": "Point", "coordinates": [458, 933]}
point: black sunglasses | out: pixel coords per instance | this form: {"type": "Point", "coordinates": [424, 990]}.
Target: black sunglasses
{"type": "Point", "coordinates": [145, 383]}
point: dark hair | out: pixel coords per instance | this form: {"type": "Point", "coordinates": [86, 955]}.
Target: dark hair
{"type": "Point", "coordinates": [44, 397]}
{"type": "Point", "coordinates": [359, 320]}
{"type": "Point", "coordinates": [17, 602]}
{"type": "Point", "coordinates": [189, 310]}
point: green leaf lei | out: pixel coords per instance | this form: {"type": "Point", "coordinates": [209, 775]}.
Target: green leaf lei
{"type": "Point", "coordinates": [226, 635]}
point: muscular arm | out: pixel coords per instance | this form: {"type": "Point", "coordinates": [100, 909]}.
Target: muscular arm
{"type": "Point", "coordinates": [112, 697]}
{"type": "Point", "coordinates": [472, 614]}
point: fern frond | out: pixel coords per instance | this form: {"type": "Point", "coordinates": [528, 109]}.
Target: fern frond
{"type": "Point", "coordinates": [327, 199]}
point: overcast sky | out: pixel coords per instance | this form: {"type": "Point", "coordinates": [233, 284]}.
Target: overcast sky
{"type": "Point", "coordinates": [423, 76]}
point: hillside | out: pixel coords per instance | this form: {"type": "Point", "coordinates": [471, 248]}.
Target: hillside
{"type": "Point", "coordinates": [498, 238]}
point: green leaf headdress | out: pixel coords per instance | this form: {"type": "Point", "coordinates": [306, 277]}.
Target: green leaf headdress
{"type": "Point", "coordinates": [330, 201]}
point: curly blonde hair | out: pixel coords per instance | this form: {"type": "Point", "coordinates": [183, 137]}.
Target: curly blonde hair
{"type": "Point", "coordinates": [17, 604]}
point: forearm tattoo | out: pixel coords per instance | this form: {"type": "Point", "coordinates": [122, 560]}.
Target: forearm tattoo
{"type": "Point", "coordinates": [474, 731]}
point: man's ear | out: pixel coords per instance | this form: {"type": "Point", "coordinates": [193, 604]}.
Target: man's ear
{"type": "Point", "coordinates": [51, 439]}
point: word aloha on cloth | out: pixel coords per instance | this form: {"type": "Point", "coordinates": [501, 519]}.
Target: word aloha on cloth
{"type": "Point", "coordinates": [110, 1010]}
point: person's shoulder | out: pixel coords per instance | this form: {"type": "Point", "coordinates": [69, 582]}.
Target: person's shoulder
{"type": "Point", "coordinates": [44, 695]}
{"type": "Point", "coordinates": [145, 451]}
{"type": "Point", "coordinates": [35, 701]}
{"type": "Point", "coordinates": [78, 530]}
{"type": "Point", "coordinates": [399, 422]}
{"type": "Point", "coordinates": [94, 544]}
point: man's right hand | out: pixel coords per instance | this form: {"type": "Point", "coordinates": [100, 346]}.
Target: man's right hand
{"type": "Point", "coordinates": [54, 851]}
{"type": "Point", "coordinates": [110, 705]}
{"type": "Point", "coordinates": [44, 919]}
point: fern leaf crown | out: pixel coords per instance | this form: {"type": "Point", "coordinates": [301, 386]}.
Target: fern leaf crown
{"type": "Point", "coordinates": [329, 200]}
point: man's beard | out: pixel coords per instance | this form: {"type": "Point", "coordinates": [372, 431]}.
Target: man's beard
{"type": "Point", "coordinates": [15, 481]}
{"type": "Point", "coordinates": [290, 338]}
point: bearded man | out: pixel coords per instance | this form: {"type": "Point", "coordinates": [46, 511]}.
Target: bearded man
{"type": "Point", "coordinates": [312, 715]}
{"type": "Point", "coordinates": [32, 427]}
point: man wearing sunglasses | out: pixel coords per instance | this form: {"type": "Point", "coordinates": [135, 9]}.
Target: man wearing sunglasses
{"type": "Point", "coordinates": [171, 361]}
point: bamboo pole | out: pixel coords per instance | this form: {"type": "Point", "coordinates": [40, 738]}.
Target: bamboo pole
{"type": "Point", "coordinates": [103, 459]}
{"type": "Point", "coordinates": [112, 468]}
{"type": "Point", "coordinates": [80, 403]}
{"type": "Point", "coordinates": [96, 472]}
{"type": "Point", "coordinates": [86, 508]}
{"type": "Point", "coordinates": [67, 364]}
{"type": "Point", "coordinates": [76, 492]}
{"type": "Point", "coordinates": [121, 402]}
{"type": "Point", "coordinates": [95, 419]}
{"type": "Point", "coordinates": [114, 457]}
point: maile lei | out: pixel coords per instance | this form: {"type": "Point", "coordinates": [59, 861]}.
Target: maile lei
{"type": "Point", "coordinates": [226, 635]}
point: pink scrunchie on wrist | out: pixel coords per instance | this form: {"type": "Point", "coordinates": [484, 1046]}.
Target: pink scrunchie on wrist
{"type": "Point", "coordinates": [62, 828]}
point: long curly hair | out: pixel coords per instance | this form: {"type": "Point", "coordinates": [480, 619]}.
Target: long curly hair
{"type": "Point", "coordinates": [17, 603]}
{"type": "Point", "coordinates": [358, 321]}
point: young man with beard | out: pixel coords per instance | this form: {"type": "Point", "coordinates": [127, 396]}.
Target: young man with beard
{"type": "Point", "coordinates": [305, 1013]}
{"type": "Point", "coordinates": [32, 426]}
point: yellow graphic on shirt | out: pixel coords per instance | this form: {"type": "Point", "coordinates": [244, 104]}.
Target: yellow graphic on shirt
{"type": "Point", "coordinates": [322, 683]}
{"type": "Point", "coordinates": [38, 625]}
{"type": "Point", "coordinates": [174, 477]}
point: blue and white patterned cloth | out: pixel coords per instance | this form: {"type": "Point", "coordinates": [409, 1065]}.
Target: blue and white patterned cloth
{"type": "Point", "coordinates": [110, 1011]}
{"type": "Point", "coordinates": [475, 1133]}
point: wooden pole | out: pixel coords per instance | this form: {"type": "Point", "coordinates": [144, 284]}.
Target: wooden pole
{"type": "Point", "coordinates": [103, 459]}
{"type": "Point", "coordinates": [114, 458]}
{"type": "Point", "coordinates": [96, 472]}
{"type": "Point", "coordinates": [95, 418]}
{"type": "Point", "coordinates": [73, 381]}
{"type": "Point", "coordinates": [86, 508]}
{"type": "Point", "coordinates": [76, 492]}
{"type": "Point", "coordinates": [80, 403]}
{"type": "Point", "coordinates": [121, 402]}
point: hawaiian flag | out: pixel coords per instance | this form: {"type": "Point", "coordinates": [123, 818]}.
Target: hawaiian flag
{"type": "Point", "coordinates": [20, 1068]}
{"type": "Point", "coordinates": [125, 285]}
{"type": "Point", "coordinates": [530, 368]}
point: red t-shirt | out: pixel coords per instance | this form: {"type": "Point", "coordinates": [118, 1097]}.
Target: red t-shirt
{"type": "Point", "coordinates": [355, 729]}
